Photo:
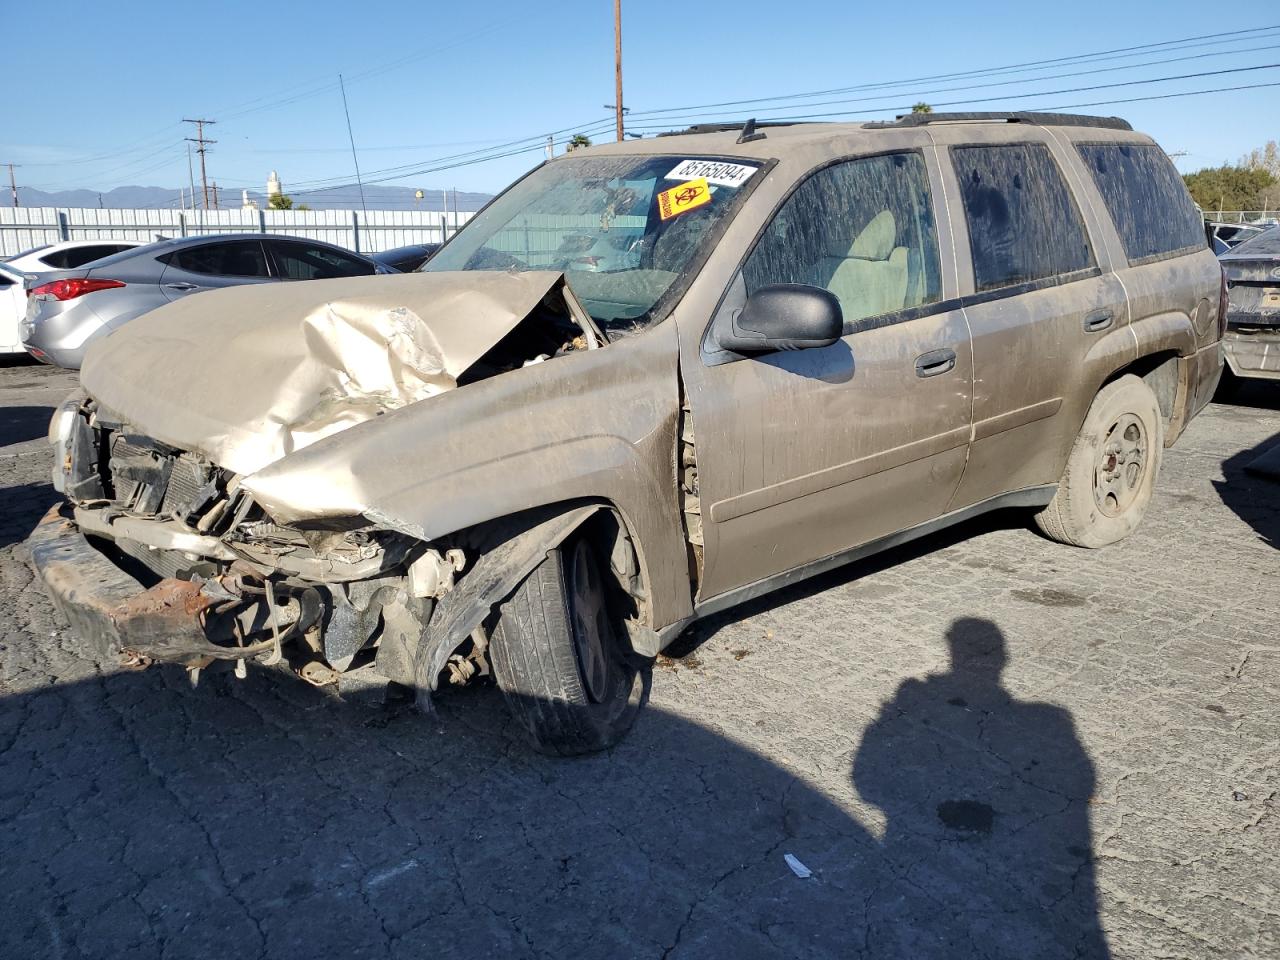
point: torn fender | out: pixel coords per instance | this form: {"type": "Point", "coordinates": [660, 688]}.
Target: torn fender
{"type": "Point", "coordinates": [595, 425]}
{"type": "Point", "coordinates": [248, 375]}
{"type": "Point", "coordinates": [510, 557]}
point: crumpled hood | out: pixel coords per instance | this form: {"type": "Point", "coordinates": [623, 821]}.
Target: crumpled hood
{"type": "Point", "coordinates": [247, 375]}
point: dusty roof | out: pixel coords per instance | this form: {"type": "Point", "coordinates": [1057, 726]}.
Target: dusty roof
{"type": "Point", "coordinates": [778, 140]}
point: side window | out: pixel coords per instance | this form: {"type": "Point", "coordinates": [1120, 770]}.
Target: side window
{"type": "Point", "coordinates": [1148, 201]}
{"type": "Point", "coordinates": [305, 261]}
{"type": "Point", "coordinates": [242, 258]}
{"type": "Point", "coordinates": [863, 229]}
{"type": "Point", "coordinates": [1023, 223]}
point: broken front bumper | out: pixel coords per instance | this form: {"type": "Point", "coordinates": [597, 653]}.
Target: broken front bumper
{"type": "Point", "coordinates": [171, 621]}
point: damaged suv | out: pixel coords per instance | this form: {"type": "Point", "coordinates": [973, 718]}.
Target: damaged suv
{"type": "Point", "coordinates": [791, 347]}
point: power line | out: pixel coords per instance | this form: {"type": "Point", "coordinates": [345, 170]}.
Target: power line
{"type": "Point", "coordinates": [1018, 96]}
{"type": "Point", "coordinates": [351, 136]}
{"type": "Point", "coordinates": [987, 71]}
{"type": "Point", "coordinates": [915, 93]}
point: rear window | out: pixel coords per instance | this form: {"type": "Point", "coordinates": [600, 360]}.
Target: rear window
{"type": "Point", "coordinates": [1264, 245]}
{"type": "Point", "coordinates": [74, 257]}
{"type": "Point", "coordinates": [1023, 222]}
{"type": "Point", "coordinates": [1148, 202]}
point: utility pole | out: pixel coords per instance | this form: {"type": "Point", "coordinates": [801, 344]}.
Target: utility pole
{"type": "Point", "coordinates": [215, 194]}
{"type": "Point", "coordinates": [617, 62]}
{"type": "Point", "coordinates": [200, 141]}
{"type": "Point", "coordinates": [13, 186]}
{"type": "Point", "coordinates": [191, 178]}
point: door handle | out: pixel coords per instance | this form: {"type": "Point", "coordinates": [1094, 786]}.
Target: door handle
{"type": "Point", "coordinates": [182, 285]}
{"type": "Point", "coordinates": [1098, 321]}
{"type": "Point", "coordinates": [935, 362]}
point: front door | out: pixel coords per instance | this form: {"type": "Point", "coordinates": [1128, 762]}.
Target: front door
{"type": "Point", "coordinates": [804, 455]}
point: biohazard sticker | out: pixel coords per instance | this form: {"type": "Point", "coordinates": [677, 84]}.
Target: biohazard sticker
{"type": "Point", "coordinates": [688, 196]}
{"type": "Point", "coordinates": [713, 171]}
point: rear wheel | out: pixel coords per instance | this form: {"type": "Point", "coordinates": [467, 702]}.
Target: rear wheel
{"type": "Point", "coordinates": [1111, 472]}
{"type": "Point", "coordinates": [560, 659]}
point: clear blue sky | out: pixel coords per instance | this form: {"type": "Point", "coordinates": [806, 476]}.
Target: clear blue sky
{"type": "Point", "coordinates": [96, 92]}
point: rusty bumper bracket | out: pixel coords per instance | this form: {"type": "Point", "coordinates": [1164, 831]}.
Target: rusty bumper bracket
{"type": "Point", "coordinates": [115, 613]}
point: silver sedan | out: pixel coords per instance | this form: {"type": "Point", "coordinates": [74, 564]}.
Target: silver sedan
{"type": "Point", "coordinates": [69, 309]}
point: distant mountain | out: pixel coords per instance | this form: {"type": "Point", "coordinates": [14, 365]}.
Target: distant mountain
{"type": "Point", "coordinates": [345, 197]}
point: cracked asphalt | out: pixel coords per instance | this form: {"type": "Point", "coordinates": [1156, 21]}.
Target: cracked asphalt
{"type": "Point", "coordinates": [983, 745]}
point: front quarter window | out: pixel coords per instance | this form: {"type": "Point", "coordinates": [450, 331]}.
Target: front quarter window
{"type": "Point", "coordinates": [623, 230]}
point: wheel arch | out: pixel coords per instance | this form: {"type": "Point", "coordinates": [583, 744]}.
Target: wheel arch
{"type": "Point", "coordinates": [507, 550]}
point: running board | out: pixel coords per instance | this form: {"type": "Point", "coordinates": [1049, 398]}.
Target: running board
{"type": "Point", "coordinates": [1027, 497]}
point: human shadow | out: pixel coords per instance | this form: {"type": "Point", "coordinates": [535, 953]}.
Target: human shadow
{"type": "Point", "coordinates": [1252, 491]}
{"type": "Point", "coordinates": [266, 818]}
{"type": "Point", "coordinates": [987, 806]}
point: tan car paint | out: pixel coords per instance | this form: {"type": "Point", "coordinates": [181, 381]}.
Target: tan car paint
{"type": "Point", "coordinates": [254, 373]}
{"type": "Point", "coordinates": [797, 460]}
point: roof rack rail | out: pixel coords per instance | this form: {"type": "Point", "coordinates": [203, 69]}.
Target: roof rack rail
{"type": "Point", "coordinates": [1038, 119]}
{"type": "Point", "coordinates": [725, 127]}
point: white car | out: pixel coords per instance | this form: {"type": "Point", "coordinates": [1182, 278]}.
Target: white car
{"type": "Point", "coordinates": [57, 256]}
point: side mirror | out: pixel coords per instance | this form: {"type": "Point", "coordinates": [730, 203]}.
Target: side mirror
{"type": "Point", "coordinates": [784, 316]}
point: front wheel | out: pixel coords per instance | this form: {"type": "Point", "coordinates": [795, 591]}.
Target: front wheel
{"type": "Point", "coordinates": [559, 657]}
{"type": "Point", "coordinates": [1111, 473]}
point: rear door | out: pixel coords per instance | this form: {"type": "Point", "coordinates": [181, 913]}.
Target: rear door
{"type": "Point", "coordinates": [1170, 275]}
{"type": "Point", "coordinates": [208, 266]}
{"type": "Point", "coordinates": [804, 455]}
{"type": "Point", "coordinates": [1036, 296]}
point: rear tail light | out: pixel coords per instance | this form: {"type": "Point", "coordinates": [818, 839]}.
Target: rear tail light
{"type": "Point", "coordinates": [70, 289]}
{"type": "Point", "coordinates": [1223, 303]}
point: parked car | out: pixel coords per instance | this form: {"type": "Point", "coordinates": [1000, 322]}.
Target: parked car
{"type": "Point", "coordinates": [406, 259]}
{"type": "Point", "coordinates": [58, 256]}
{"type": "Point", "coordinates": [1230, 234]}
{"type": "Point", "coordinates": [834, 339]}
{"type": "Point", "coordinates": [69, 309]}
{"type": "Point", "coordinates": [1252, 341]}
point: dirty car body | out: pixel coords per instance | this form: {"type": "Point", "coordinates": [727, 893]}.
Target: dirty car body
{"type": "Point", "coordinates": [820, 342]}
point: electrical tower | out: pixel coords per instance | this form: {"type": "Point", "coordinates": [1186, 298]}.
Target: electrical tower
{"type": "Point", "coordinates": [200, 141]}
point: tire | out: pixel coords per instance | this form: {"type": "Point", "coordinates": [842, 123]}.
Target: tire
{"type": "Point", "coordinates": [559, 658]}
{"type": "Point", "coordinates": [1112, 469]}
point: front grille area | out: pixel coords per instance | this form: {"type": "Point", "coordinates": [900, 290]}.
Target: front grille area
{"type": "Point", "coordinates": [152, 479]}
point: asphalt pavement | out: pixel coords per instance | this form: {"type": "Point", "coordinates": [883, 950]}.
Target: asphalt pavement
{"type": "Point", "coordinates": [981, 745]}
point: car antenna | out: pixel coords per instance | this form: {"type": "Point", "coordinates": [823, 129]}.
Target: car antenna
{"type": "Point", "coordinates": [749, 132]}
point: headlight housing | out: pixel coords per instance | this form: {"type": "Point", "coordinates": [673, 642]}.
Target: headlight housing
{"type": "Point", "coordinates": [61, 428]}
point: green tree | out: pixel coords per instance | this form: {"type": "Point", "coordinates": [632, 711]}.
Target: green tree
{"type": "Point", "coordinates": [578, 140]}
{"type": "Point", "coordinates": [921, 107]}
{"type": "Point", "coordinates": [280, 201]}
{"type": "Point", "coordinates": [1229, 188]}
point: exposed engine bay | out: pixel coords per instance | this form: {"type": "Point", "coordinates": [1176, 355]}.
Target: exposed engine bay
{"type": "Point", "coordinates": [220, 580]}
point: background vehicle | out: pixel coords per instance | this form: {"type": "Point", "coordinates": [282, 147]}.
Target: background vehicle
{"type": "Point", "coordinates": [1230, 234]}
{"type": "Point", "coordinates": [1252, 340]}
{"type": "Point", "coordinates": [831, 339]}
{"type": "Point", "coordinates": [68, 309]}
{"type": "Point", "coordinates": [58, 256]}
{"type": "Point", "coordinates": [406, 259]}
